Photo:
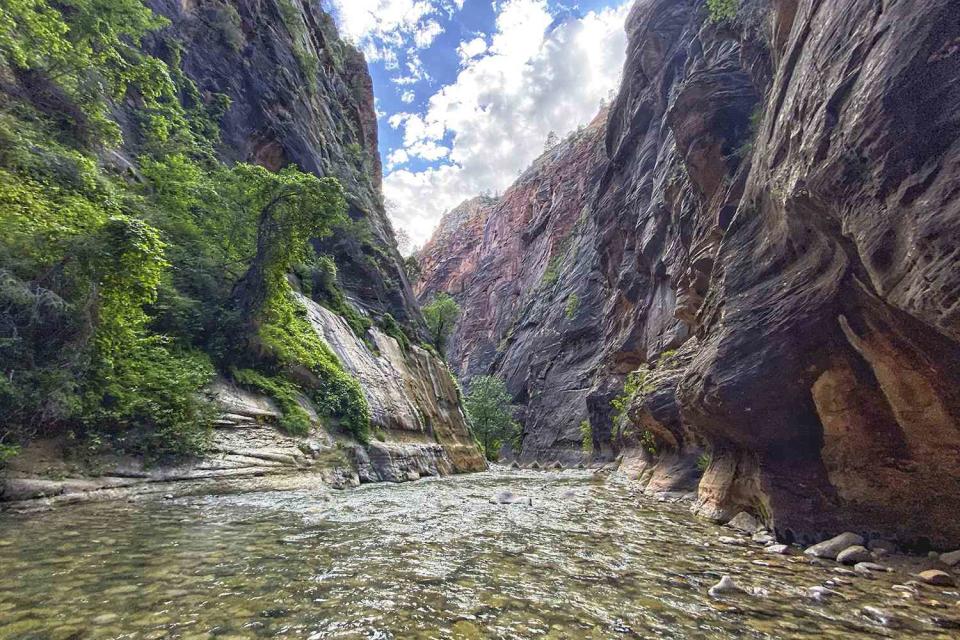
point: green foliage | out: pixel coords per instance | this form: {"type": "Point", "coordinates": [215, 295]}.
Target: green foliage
{"type": "Point", "coordinates": [586, 437]}
{"type": "Point", "coordinates": [293, 20]}
{"type": "Point", "coordinates": [441, 315]}
{"type": "Point", "coordinates": [621, 403]}
{"type": "Point", "coordinates": [393, 329]}
{"type": "Point", "coordinates": [7, 451]}
{"type": "Point", "coordinates": [704, 461]}
{"type": "Point", "coordinates": [294, 419]}
{"type": "Point", "coordinates": [488, 406]}
{"type": "Point", "coordinates": [552, 273]}
{"type": "Point", "coordinates": [721, 10]}
{"type": "Point", "coordinates": [411, 265]}
{"type": "Point", "coordinates": [292, 341]}
{"type": "Point", "coordinates": [327, 291]}
{"type": "Point", "coordinates": [573, 304]}
{"type": "Point", "coordinates": [115, 296]}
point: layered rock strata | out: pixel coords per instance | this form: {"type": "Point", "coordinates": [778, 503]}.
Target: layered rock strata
{"type": "Point", "coordinates": [776, 197]}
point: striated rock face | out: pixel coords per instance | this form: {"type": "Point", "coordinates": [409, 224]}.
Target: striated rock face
{"type": "Point", "coordinates": [777, 198]}
{"type": "Point", "coordinates": [502, 260]}
{"type": "Point", "coordinates": [414, 403]}
{"type": "Point", "coordinates": [299, 95]}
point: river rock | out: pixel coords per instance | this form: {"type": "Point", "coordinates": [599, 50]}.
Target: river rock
{"type": "Point", "coordinates": [820, 594]}
{"type": "Point", "coordinates": [831, 548]}
{"type": "Point", "coordinates": [736, 542]}
{"type": "Point", "coordinates": [951, 558]}
{"type": "Point", "coordinates": [880, 616]}
{"type": "Point", "coordinates": [509, 497]}
{"type": "Point", "coordinates": [781, 549]}
{"type": "Point", "coordinates": [745, 523]}
{"type": "Point", "coordinates": [853, 555]}
{"type": "Point", "coordinates": [866, 568]}
{"type": "Point", "coordinates": [879, 544]}
{"type": "Point", "coordinates": [936, 577]}
{"type": "Point", "coordinates": [724, 587]}
{"type": "Point", "coordinates": [763, 537]}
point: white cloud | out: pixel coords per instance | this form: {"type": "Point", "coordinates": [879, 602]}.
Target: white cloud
{"type": "Point", "coordinates": [502, 105]}
{"type": "Point", "coordinates": [397, 157]}
{"type": "Point", "coordinates": [470, 50]}
{"type": "Point", "coordinates": [426, 33]}
{"type": "Point", "coordinates": [407, 96]}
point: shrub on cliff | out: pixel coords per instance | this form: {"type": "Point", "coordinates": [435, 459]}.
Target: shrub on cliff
{"type": "Point", "coordinates": [120, 296]}
{"type": "Point", "coordinates": [490, 412]}
{"type": "Point", "coordinates": [441, 315]}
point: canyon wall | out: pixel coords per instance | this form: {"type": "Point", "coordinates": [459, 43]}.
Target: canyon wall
{"type": "Point", "coordinates": [767, 234]}
{"type": "Point", "coordinates": [298, 95]}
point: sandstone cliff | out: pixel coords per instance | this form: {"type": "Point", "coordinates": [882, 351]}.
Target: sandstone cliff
{"type": "Point", "coordinates": [768, 232]}
{"type": "Point", "coordinates": [297, 95]}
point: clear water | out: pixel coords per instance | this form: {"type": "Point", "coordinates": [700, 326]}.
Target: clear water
{"type": "Point", "coordinates": [430, 559]}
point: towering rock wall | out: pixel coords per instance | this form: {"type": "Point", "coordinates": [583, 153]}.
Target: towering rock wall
{"type": "Point", "coordinates": [770, 237]}
{"type": "Point", "coordinates": [300, 95]}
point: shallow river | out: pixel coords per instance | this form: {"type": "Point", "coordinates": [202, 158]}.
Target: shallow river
{"type": "Point", "coordinates": [429, 559]}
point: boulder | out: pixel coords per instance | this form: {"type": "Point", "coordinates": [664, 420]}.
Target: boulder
{"type": "Point", "coordinates": [745, 523]}
{"type": "Point", "coordinates": [951, 558]}
{"type": "Point", "coordinates": [853, 555]}
{"type": "Point", "coordinates": [937, 577]}
{"type": "Point", "coordinates": [831, 548]}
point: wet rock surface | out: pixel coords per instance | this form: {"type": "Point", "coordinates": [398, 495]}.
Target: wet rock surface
{"type": "Point", "coordinates": [775, 200]}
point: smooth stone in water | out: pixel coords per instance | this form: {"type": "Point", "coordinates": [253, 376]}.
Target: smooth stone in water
{"type": "Point", "coordinates": [829, 549]}
{"type": "Point", "coordinates": [879, 616]}
{"type": "Point", "coordinates": [509, 497]}
{"type": "Point", "coordinates": [745, 523]}
{"type": "Point", "coordinates": [736, 542]}
{"type": "Point", "coordinates": [725, 586]}
{"type": "Point", "coordinates": [936, 577]}
{"type": "Point", "coordinates": [951, 558]}
{"type": "Point", "coordinates": [854, 555]}
{"type": "Point", "coordinates": [781, 549]}
{"type": "Point", "coordinates": [870, 566]}
{"type": "Point", "coordinates": [881, 544]}
{"type": "Point", "coordinates": [821, 594]}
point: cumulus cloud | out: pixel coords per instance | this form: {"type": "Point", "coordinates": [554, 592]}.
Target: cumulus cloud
{"type": "Point", "coordinates": [407, 96]}
{"type": "Point", "coordinates": [470, 50]}
{"type": "Point", "coordinates": [534, 77]}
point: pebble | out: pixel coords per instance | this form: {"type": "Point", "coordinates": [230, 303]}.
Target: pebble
{"type": "Point", "coordinates": [821, 594]}
{"type": "Point", "coordinates": [844, 571]}
{"type": "Point", "coordinates": [854, 555]}
{"type": "Point", "coordinates": [726, 585]}
{"type": "Point", "coordinates": [936, 577]}
{"type": "Point", "coordinates": [737, 542]}
{"type": "Point", "coordinates": [168, 496]}
{"type": "Point", "coordinates": [831, 548]}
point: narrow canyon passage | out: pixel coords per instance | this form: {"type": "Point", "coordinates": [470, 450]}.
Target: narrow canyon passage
{"type": "Point", "coordinates": [438, 558]}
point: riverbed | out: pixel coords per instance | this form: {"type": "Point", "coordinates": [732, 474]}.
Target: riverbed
{"type": "Point", "coordinates": [591, 558]}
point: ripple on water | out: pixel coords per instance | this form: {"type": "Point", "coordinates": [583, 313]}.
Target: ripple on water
{"type": "Point", "coordinates": [430, 559]}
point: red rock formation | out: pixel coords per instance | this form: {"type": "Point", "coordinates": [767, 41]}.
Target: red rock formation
{"type": "Point", "coordinates": [776, 198]}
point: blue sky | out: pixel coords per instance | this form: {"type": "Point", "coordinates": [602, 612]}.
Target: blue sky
{"type": "Point", "coordinates": [467, 90]}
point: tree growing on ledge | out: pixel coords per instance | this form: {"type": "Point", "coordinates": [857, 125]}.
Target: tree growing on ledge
{"type": "Point", "coordinates": [490, 412]}
{"type": "Point", "coordinates": [441, 316]}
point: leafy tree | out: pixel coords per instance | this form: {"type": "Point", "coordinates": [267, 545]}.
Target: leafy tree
{"type": "Point", "coordinates": [489, 409]}
{"type": "Point", "coordinates": [720, 10]}
{"type": "Point", "coordinates": [441, 315]}
{"type": "Point", "coordinates": [412, 266]}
